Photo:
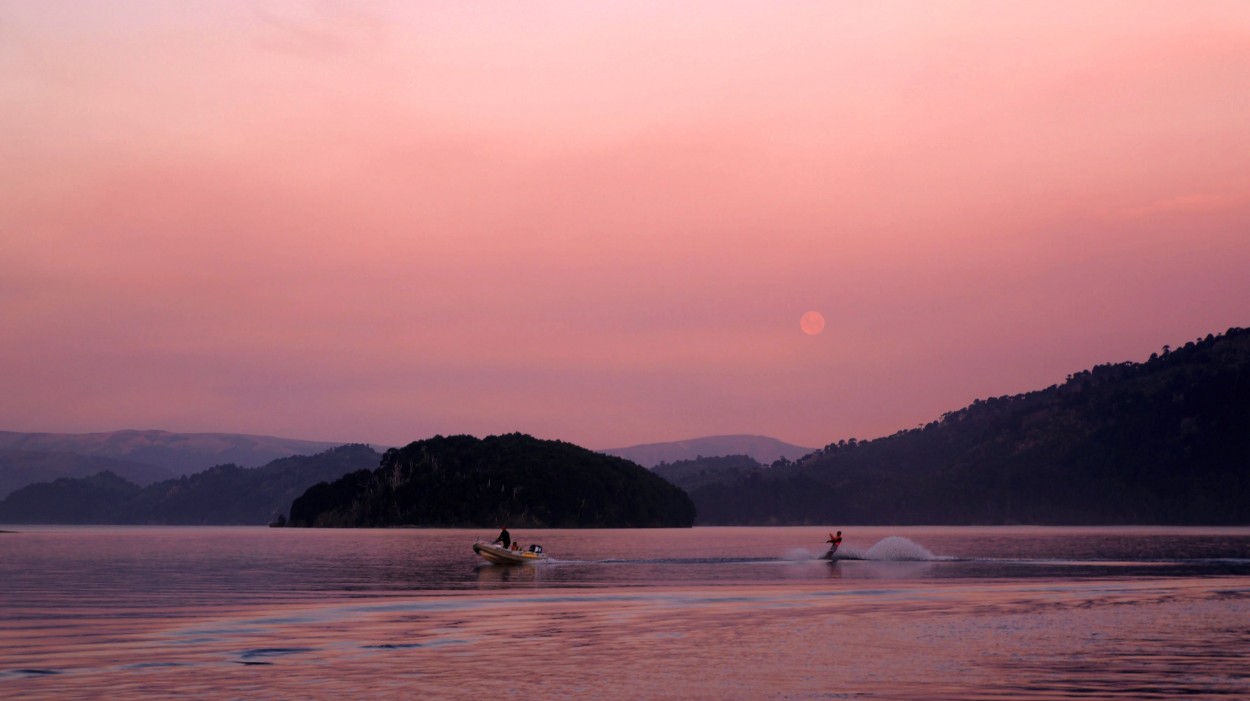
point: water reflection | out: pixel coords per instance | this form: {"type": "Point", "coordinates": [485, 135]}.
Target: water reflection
{"type": "Point", "coordinates": [706, 613]}
{"type": "Point", "coordinates": [496, 576]}
{"type": "Point", "coordinates": [903, 639]}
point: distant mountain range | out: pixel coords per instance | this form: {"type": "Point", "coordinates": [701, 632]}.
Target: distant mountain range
{"type": "Point", "coordinates": [146, 457]}
{"type": "Point", "coordinates": [19, 468]}
{"type": "Point", "coordinates": [221, 495]}
{"type": "Point", "coordinates": [141, 457]}
{"type": "Point", "coordinates": [178, 452]}
{"type": "Point", "coordinates": [447, 481]}
{"type": "Point", "coordinates": [762, 449]}
{"type": "Point", "coordinates": [129, 477]}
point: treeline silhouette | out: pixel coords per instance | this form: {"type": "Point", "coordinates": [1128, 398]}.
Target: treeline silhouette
{"type": "Point", "coordinates": [1166, 441]}
{"type": "Point", "coordinates": [514, 480]}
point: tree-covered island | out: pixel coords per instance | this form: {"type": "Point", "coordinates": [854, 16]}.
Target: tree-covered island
{"type": "Point", "coordinates": [514, 479]}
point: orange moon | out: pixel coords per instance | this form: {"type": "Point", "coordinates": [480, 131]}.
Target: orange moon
{"type": "Point", "coordinates": [812, 323]}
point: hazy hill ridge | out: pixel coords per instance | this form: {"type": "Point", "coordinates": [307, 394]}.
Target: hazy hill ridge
{"type": "Point", "coordinates": [513, 480]}
{"type": "Point", "coordinates": [1165, 441]}
{"type": "Point", "coordinates": [180, 453]}
{"type": "Point", "coordinates": [221, 495]}
{"type": "Point", "coordinates": [19, 468]}
{"type": "Point", "coordinates": [762, 449]}
{"type": "Point", "coordinates": [142, 457]}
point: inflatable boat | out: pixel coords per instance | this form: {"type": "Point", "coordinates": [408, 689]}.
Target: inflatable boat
{"type": "Point", "coordinates": [503, 556]}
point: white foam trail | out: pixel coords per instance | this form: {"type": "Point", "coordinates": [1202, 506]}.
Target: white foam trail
{"type": "Point", "coordinates": [800, 554]}
{"type": "Point", "coordinates": [898, 548]}
{"type": "Point", "coordinates": [850, 552]}
{"type": "Point", "coordinates": [892, 548]}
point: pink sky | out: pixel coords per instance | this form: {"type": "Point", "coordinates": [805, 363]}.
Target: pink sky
{"type": "Point", "coordinates": [602, 222]}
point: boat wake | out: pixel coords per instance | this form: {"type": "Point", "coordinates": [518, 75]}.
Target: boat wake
{"type": "Point", "coordinates": [890, 549]}
{"type": "Point", "coordinates": [897, 548]}
{"type": "Point", "coordinates": [675, 561]}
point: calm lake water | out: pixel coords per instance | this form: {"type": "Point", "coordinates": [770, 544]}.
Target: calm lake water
{"type": "Point", "coordinates": [704, 613]}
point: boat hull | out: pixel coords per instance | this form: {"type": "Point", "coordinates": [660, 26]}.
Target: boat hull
{"type": "Point", "coordinates": [503, 556]}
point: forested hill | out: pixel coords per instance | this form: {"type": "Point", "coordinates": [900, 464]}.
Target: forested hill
{"type": "Point", "coordinates": [1166, 441]}
{"type": "Point", "coordinates": [514, 480]}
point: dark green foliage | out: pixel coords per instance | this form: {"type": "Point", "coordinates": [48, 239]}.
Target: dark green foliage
{"type": "Point", "coordinates": [1165, 441]}
{"type": "Point", "coordinates": [222, 495]}
{"type": "Point", "coordinates": [514, 480]}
